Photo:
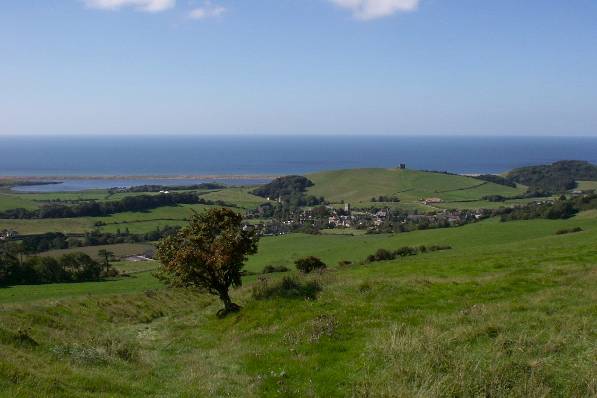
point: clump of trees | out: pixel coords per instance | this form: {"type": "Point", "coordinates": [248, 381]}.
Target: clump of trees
{"type": "Point", "coordinates": [309, 264]}
{"type": "Point", "coordinates": [496, 179]}
{"type": "Point", "coordinates": [208, 254]}
{"type": "Point", "coordinates": [384, 198]}
{"type": "Point", "coordinates": [384, 254]}
{"type": "Point", "coordinates": [289, 190]}
{"type": "Point", "coordinates": [71, 267]}
{"type": "Point", "coordinates": [31, 244]}
{"type": "Point", "coordinates": [560, 209]}
{"type": "Point", "coordinates": [98, 209]}
{"type": "Point", "coordinates": [554, 178]}
{"type": "Point", "coordinates": [158, 188]}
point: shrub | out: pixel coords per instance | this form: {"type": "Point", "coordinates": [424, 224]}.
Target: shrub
{"type": "Point", "coordinates": [288, 287]}
{"type": "Point", "coordinates": [568, 231]}
{"type": "Point", "coordinates": [406, 251]}
{"type": "Point", "coordinates": [270, 269]}
{"type": "Point", "coordinates": [383, 254]}
{"type": "Point", "coordinates": [435, 248]}
{"type": "Point", "coordinates": [308, 264]}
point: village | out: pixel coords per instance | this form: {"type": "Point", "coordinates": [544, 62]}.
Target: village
{"type": "Point", "coordinates": [276, 220]}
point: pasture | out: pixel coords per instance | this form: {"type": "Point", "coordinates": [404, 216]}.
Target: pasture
{"type": "Point", "coordinates": [509, 311]}
{"type": "Point", "coordinates": [360, 185]}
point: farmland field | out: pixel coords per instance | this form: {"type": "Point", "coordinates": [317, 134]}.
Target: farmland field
{"type": "Point", "coordinates": [360, 185]}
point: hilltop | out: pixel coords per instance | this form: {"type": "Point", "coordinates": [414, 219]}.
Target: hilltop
{"type": "Point", "coordinates": [410, 186]}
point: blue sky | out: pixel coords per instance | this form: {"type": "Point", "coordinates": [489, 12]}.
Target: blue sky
{"type": "Point", "coordinates": [298, 67]}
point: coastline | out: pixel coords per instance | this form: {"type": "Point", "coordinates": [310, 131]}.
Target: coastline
{"type": "Point", "coordinates": [141, 177]}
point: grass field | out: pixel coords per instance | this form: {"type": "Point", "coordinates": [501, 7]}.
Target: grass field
{"type": "Point", "coordinates": [119, 250]}
{"type": "Point", "coordinates": [9, 201]}
{"type": "Point", "coordinates": [587, 185]}
{"type": "Point", "coordinates": [360, 185]}
{"type": "Point", "coordinates": [483, 204]}
{"type": "Point", "coordinates": [509, 311]}
{"type": "Point", "coordinates": [237, 195]}
{"type": "Point", "coordinates": [136, 222]}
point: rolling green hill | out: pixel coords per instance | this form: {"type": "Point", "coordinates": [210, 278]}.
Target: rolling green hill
{"type": "Point", "coordinates": [509, 311]}
{"type": "Point", "coordinates": [360, 185]}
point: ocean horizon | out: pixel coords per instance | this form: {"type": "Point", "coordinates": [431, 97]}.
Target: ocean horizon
{"type": "Point", "coordinates": [264, 155]}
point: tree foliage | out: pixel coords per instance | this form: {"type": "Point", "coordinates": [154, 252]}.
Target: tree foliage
{"type": "Point", "coordinates": [557, 177]}
{"type": "Point", "coordinates": [71, 267]}
{"type": "Point", "coordinates": [290, 190]}
{"type": "Point", "coordinates": [208, 254]}
{"type": "Point", "coordinates": [496, 179]}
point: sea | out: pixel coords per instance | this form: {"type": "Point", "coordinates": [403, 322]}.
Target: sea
{"type": "Point", "coordinates": [79, 161]}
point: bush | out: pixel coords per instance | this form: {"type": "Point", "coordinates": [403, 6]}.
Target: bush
{"type": "Point", "coordinates": [308, 264]}
{"type": "Point", "coordinates": [270, 269]}
{"type": "Point", "coordinates": [383, 254]}
{"type": "Point", "coordinates": [288, 287]}
{"type": "Point", "coordinates": [406, 251]}
{"type": "Point", "coordinates": [568, 231]}
{"type": "Point", "coordinates": [435, 248]}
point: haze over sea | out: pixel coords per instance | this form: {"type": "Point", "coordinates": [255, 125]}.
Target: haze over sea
{"type": "Point", "coordinates": [269, 155]}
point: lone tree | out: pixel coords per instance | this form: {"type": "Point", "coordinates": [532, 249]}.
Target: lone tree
{"type": "Point", "coordinates": [208, 254]}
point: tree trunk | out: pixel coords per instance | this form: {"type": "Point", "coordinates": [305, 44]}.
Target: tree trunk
{"type": "Point", "coordinates": [229, 306]}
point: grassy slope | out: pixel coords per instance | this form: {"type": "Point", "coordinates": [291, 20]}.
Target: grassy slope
{"type": "Point", "coordinates": [360, 185]}
{"type": "Point", "coordinates": [510, 311]}
{"type": "Point", "coordinates": [587, 185]}
{"type": "Point", "coordinates": [283, 250]}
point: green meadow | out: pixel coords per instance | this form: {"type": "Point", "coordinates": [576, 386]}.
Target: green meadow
{"type": "Point", "coordinates": [360, 185]}
{"type": "Point", "coordinates": [136, 222]}
{"type": "Point", "coordinates": [508, 311]}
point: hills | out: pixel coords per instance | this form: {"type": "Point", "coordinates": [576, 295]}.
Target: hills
{"type": "Point", "coordinates": [411, 186]}
{"type": "Point", "coordinates": [509, 311]}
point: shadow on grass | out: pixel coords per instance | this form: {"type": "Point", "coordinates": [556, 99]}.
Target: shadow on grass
{"type": "Point", "coordinates": [289, 287]}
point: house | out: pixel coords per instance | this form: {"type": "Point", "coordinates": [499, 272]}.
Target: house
{"type": "Point", "coordinates": [7, 234]}
{"type": "Point", "coordinates": [429, 201]}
